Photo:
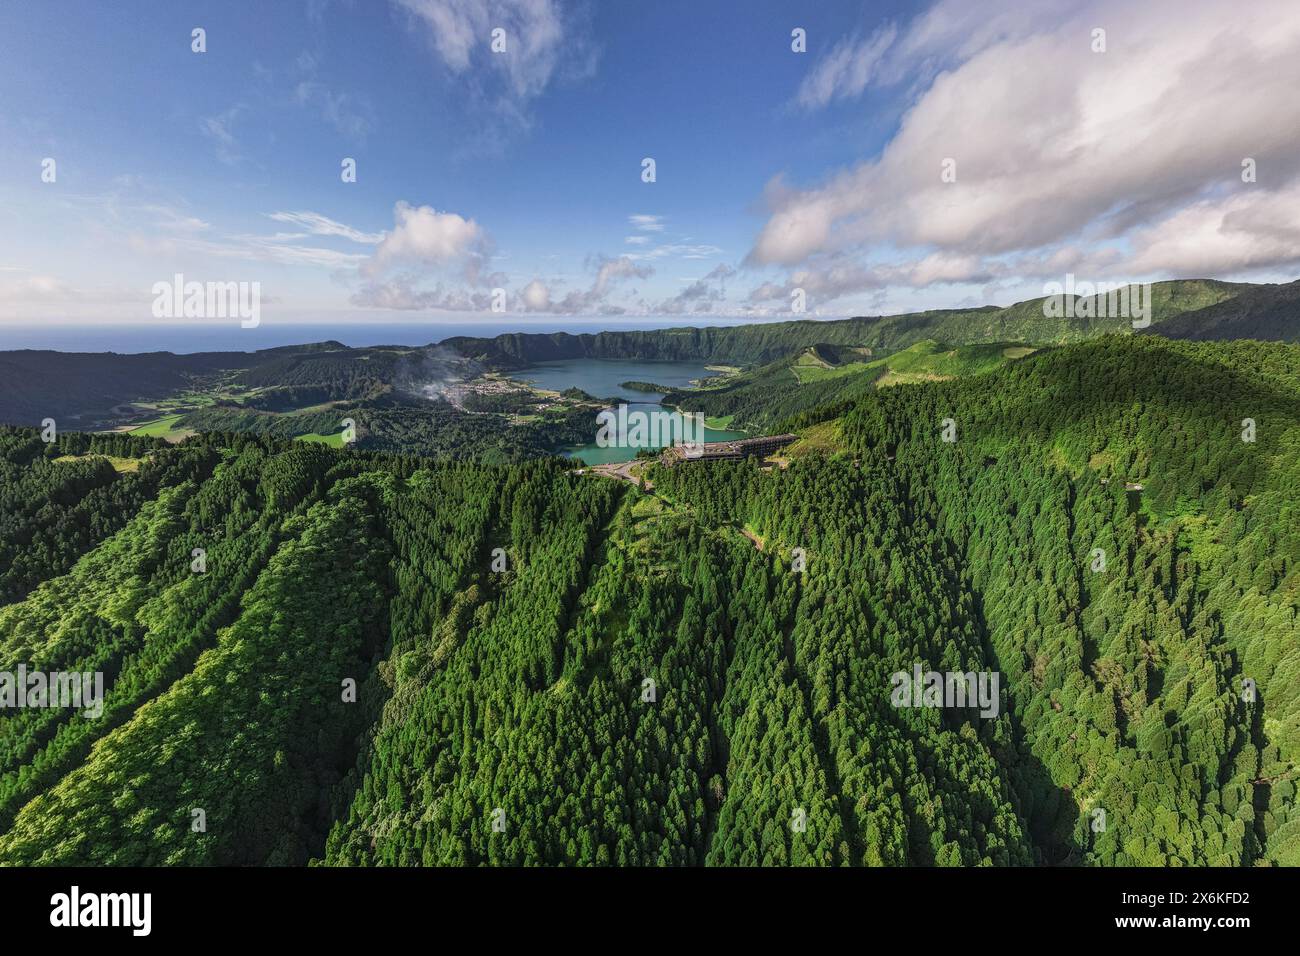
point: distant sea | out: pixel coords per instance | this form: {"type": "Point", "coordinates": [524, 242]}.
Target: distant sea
{"type": "Point", "coordinates": [207, 337]}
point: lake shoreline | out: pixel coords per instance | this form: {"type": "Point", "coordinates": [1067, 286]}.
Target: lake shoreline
{"type": "Point", "coordinates": [604, 379]}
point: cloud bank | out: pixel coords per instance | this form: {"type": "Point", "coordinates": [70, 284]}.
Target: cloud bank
{"type": "Point", "coordinates": [1062, 157]}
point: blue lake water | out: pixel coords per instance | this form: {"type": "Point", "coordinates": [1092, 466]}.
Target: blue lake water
{"type": "Point", "coordinates": [602, 378]}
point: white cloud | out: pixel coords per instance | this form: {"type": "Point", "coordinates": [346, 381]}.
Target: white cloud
{"type": "Point", "coordinates": [646, 223]}
{"type": "Point", "coordinates": [701, 295]}
{"type": "Point", "coordinates": [426, 245]}
{"type": "Point", "coordinates": [1119, 158]}
{"type": "Point", "coordinates": [423, 236]}
{"type": "Point", "coordinates": [828, 280]}
{"type": "Point", "coordinates": [168, 231]}
{"type": "Point", "coordinates": [536, 296]}
{"type": "Point", "coordinates": [271, 249]}
{"type": "Point", "coordinates": [400, 292]}
{"type": "Point", "coordinates": [677, 250]}
{"type": "Point", "coordinates": [1249, 230]}
{"type": "Point", "coordinates": [347, 113]}
{"type": "Point", "coordinates": [847, 69]}
{"type": "Point", "coordinates": [319, 225]}
{"type": "Point", "coordinates": [611, 270]}
{"type": "Point", "coordinates": [545, 41]}
{"type": "Point", "coordinates": [170, 219]}
{"type": "Point", "coordinates": [36, 288]}
{"type": "Point", "coordinates": [219, 129]}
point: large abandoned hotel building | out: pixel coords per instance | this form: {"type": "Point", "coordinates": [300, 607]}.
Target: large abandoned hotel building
{"type": "Point", "coordinates": [759, 447]}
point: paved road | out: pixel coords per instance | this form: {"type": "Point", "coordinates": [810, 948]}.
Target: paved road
{"type": "Point", "coordinates": [619, 469]}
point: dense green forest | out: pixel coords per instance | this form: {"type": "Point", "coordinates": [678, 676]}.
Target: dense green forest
{"type": "Point", "coordinates": [769, 397]}
{"type": "Point", "coordinates": [349, 656]}
{"type": "Point", "coordinates": [430, 429]}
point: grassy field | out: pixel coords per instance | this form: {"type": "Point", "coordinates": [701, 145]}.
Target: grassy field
{"type": "Point", "coordinates": [334, 441]}
{"type": "Point", "coordinates": [121, 465]}
{"type": "Point", "coordinates": [925, 361]}
{"type": "Point", "coordinates": [820, 439]}
{"type": "Point", "coordinates": [164, 427]}
{"type": "Point", "coordinates": [185, 401]}
{"type": "Point", "coordinates": [812, 359]}
{"type": "Point", "coordinates": [929, 361]}
{"type": "Point", "coordinates": [819, 373]}
{"type": "Point", "coordinates": [157, 428]}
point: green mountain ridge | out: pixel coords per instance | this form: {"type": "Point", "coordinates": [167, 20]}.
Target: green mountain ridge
{"type": "Point", "coordinates": [83, 388]}
{"type": "Point", "coordinates": [765, 342]}
{"type": "Point", "coordinates": [1265, 312]}
{"type": "Point", "coordinates": [772, 397]}
{"type": "Point", "coordinates": [651, 678]}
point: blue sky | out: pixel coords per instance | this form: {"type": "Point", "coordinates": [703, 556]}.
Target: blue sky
{"type": "Point", "coordinates": [520, 171]}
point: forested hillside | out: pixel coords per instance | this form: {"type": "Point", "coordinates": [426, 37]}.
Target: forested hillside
{"type": "Point", "coordinates": [348, 657]}
{"type": "Point", "coordinates": [1258, 312]}
{"type": "Point", "coordinates": [38, 384]}
{"type": "Point", "coordinates": [771, 396]}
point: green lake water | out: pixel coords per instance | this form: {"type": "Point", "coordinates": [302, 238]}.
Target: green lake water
{"type": "Point", "coordinates": [602, 378]}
